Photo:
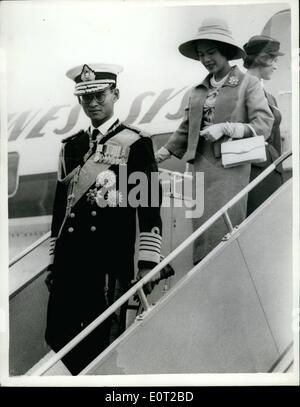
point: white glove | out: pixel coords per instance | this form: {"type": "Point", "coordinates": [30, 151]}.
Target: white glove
{"type": "Point", "coordinates": [234, 130]}
{"type": "Point", "coordinates": [162, 154]}
{"type": "Point", "coordinates": [213, 132]}
{"type": "Point", "coordinates": [216, 131]}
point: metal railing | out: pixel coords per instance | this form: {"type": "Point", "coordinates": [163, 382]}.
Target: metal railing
{"type": "Point", "coordinates": [47, 235]}
{"type": "Point", "coordinates": [29, 249]}
{"type": "Point", "coordinates": [137, 288]}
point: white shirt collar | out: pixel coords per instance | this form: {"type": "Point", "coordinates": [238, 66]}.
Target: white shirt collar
{"type": "Point", "coordinates": [104, 126]}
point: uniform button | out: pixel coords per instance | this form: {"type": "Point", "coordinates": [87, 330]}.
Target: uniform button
{"type": "Point", "coordinates": [72, 215]}
{"type": "Point", "coordinates": [93, 228]}
{"type": "Point", "coordinates": [71, 230]}
{"type": "Point", "coordinates": [93, 213]}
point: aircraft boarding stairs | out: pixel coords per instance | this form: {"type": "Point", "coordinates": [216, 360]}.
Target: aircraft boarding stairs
{"type": "Point", "coordinates": [231, 313]}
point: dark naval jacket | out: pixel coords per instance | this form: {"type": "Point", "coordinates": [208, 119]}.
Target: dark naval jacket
{"type": "Point", "coordinates": [88, 241]}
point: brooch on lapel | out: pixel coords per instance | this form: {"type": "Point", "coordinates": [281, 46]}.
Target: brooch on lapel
{"type": "Point", "coordinates": [233, 80]}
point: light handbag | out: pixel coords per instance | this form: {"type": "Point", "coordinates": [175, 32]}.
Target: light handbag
{"type": "Point", "coordinates": [243, 151]}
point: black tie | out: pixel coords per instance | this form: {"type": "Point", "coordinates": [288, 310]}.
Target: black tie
{"type": "Point", "coordinates": [93, 143]}
{"type": "Point", "coordinates": [95, 134]}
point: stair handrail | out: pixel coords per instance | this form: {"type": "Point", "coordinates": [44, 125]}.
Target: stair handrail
{"type": "Point", "coordinates": [138, 286]}
{"type": "Point", "coordinates": [47, 235]}
{"type": "Point", "coordinates": [29, 249]}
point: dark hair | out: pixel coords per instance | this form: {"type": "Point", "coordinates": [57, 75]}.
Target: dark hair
{"type": "Point", "coordinates": [228, 51]}
{"type": "Point", "coordinates": [257, 60]}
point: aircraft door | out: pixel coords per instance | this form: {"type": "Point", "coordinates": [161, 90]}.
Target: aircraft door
{"type": "Point", "coordinates": [13, 175]}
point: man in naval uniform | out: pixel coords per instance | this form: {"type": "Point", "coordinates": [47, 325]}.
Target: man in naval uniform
{"type": "Point", "coordinates": [93, 231]}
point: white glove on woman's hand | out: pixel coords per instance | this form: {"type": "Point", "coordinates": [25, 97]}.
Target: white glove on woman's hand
{"type": "Point", "coordinates": [234, 130]}
{"type": "Point", "coordinates": [216, 131]}
{"type": "Point", "coordinates": [162, 154]}
{"type": "Point", "coordinates": [213, 132]}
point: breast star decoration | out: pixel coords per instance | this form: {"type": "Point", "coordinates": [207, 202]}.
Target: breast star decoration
{"type": "Point", "coordinates": [105, 192]}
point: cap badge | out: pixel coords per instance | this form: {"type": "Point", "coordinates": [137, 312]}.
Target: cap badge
{"type": "Point", "coordinates": [87, 74]}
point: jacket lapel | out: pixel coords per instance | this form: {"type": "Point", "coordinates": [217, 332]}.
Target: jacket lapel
{"type": "Point", "coordinates": [228, 101]}
{"type": "Point", "coordinates": [196, 111]}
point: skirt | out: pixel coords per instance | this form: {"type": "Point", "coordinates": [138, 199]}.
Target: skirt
{"type": "Point", "coordinates": [220, 186]}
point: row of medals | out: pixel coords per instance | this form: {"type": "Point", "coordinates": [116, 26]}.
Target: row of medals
{"type": "Point", "coordinates": [109, 153]}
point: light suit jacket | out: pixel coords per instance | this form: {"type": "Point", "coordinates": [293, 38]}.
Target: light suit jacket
{"type": "Point", "coordinates": [240, 100]}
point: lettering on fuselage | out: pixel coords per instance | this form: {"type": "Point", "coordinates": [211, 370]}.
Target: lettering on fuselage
{"type": "Point", "coordinates": [32, 193]}
{"type": "Point", "coordinates": [19, 123]}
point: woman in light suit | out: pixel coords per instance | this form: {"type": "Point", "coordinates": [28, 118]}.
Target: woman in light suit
{"type": "Point", "coordinates": [261, 61]}
{"type": "Point", "coordinates": [221, 106]}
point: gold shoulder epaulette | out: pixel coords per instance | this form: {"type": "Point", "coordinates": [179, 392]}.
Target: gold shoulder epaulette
{"type": "Point", "coordinates": [72, 137]}
{"type": "Point", "coordinates": [140, 132]}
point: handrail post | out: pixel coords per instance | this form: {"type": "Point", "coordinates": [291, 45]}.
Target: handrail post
{"type": "Point", "coordinates": [143, 299]}
{"type": "Point", "coordinates": [228, 222]}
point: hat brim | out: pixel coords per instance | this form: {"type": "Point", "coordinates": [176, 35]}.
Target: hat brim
{"type": "Point", "coordinates": [277, 53]}
{"type": "Point", "coordinates": [85, 90]}
{"type": "Point", "coordinates": [188, 49]}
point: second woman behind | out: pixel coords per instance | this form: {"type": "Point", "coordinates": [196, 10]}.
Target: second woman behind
{"type": "Point", "coordinates": [223, 105]}
{"type": "Point", "coordinates": [261, 61]}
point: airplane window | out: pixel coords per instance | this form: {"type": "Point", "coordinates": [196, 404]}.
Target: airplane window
{"type": "Point", "coordinates": [13, 162]}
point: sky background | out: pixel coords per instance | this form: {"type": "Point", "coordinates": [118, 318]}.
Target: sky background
{"type": "Point", "coordinates": [42, 40]}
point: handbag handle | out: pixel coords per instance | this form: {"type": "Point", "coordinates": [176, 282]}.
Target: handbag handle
{"type": "Point", "coordinates": [252, 129]}
{"type": "Point", "coordinates": [254, 132]}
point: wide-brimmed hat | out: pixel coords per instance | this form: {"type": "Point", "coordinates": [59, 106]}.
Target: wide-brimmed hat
{"type": "Point", "coordinates": [262, 43]}
{"type": "Point", "coordinates": [214, 29]}
{"type": "Point", "coordinates": [92, 78]}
